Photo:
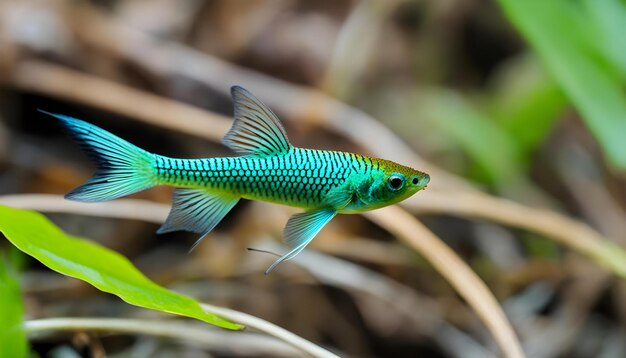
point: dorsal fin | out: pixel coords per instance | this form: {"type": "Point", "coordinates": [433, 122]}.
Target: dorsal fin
{"type": "Point", "coordinates": [256, 131]}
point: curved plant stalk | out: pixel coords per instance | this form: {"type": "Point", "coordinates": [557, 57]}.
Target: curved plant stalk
{"type": "Point", "coordinates": [134, 209]}
{"type": "Point", "coordinates": [113, 273]}
{"type": "Point", "coordinates": [400, 303]}
{"type": "Point", "coordinates": [105, 269]}
{"type": "Point", "coordinates": [465, 281]}
{"type": "Point", "coordinates": [199, 335]}
{"type": "Point", "coordinates": [394, 219]}
{"type": "Point", "coordinates": [269, 328]}
{"type": "Point", "coordinates": [116, 98]}
{"type": "Point", "coordinates": [560, 228]}
{"type": "Point", "coordinates": [575, 234]}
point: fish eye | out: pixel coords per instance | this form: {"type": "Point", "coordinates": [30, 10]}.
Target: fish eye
{"type": "Point", "coordinates": [415, 180]}
{"type": "Point", "coordinates": [395, 182]}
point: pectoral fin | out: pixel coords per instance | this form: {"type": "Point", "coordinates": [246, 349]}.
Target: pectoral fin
{"type": "Point", "coordinates": [301, 229]}
{"type": "Point", "coordinates": [198, 211]}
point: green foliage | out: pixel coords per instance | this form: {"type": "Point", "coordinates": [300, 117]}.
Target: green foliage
{"type": "Point", "coordinates": [487, 143]}
{"type": "Point", "coordinates": [526, 102]}
{"type": "Point", "coordinates": [581, 43]}
{"type": "Point", "coordinates": [12, 336]}
{"type": "Point", "coordinates": [107, 270]}
{"type": "Point", "coordinates": [610, 17]}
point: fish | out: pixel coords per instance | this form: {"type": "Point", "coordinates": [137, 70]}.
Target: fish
{"type": "Point", "coordinates": [269, 168]}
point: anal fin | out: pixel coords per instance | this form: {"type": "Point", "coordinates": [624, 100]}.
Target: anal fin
{"type": "Point", "coordinates": [301, 229]}
{"type": "Point", "coordinates": [197, 210]}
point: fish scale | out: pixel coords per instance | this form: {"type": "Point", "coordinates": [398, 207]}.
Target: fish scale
{"type": "Point", "coordinates": [324, 183]}
{"type": "Point", "coordinates": [298, 178]}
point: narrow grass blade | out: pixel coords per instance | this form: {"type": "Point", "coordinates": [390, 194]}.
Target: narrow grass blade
{"type": "Point", "coordinates": [566, 37]}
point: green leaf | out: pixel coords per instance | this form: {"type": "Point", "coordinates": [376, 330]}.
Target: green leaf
{"type": "Point", "coordinates": [481, 138]}
{"type": "Point", "coordinates": [105, 269]}
{"type": "Point", "coordinates": [526, 102]}
{"type": "Point", "coordinates": [13, 341]}
{"type": "Point", "coordinates": [566, 37]}
{"type": "Point", "coordinates": [610, 17]}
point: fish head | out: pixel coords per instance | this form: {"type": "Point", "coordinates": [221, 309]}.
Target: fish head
{"type": "Point", "coordinates": [389, 184]}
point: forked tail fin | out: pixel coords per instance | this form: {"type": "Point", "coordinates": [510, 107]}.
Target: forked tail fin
{"type": "Point", "coordinates": [123, 168]}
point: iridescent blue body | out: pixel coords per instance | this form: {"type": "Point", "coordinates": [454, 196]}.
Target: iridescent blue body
{"type": "Point", "coordinates": [324, 183]}
{"type": "Point", "coordinates": [300, 178]}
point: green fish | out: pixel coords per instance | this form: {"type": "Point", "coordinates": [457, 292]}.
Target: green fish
{"type": "Point", "coordinates": [324, 183]}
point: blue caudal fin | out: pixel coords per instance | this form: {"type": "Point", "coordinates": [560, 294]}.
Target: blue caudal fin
{"type": "Point", "coordinates": [123, 168]}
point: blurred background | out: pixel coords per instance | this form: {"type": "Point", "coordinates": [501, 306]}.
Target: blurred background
{"type": "Point", "coordinates": [506, 101]}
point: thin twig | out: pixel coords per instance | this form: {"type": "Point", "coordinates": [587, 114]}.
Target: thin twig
{"type": "Point", "coordinates": [156, 213]}
{"type": "Point", "coordinates": [213, 339]}
{"type": "Point", "coordinates": [61, 82]}
{"type": "Point", "coordinates": [461, 277]}
{"type": "Point", "coordinates": [575, 234]}
{"type": "Point", "coordinates": [423, 312]}
{"type": "Point", "coordinates": [269, 328]}
{"type": "Point", "coordinates": [403, 225]}
{"type": "Point", "coordinates": [134, 209]}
